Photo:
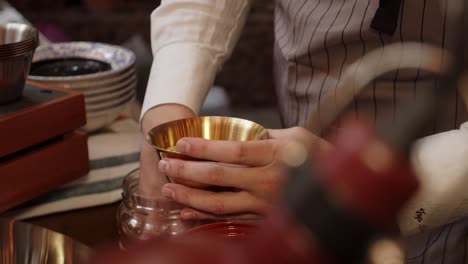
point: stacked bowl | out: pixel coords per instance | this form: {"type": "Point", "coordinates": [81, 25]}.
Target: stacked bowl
{"type": "Point", "coordinates": [104, 73]}
{"type": "Point", "coordinates": [17, 45]}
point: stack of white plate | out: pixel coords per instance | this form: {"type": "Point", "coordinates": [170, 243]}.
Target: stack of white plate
{"type": "Point", "coordinates": [104, 73]}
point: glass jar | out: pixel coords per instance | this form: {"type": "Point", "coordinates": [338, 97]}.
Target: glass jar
{"type": "Point", "coordinates": [141, 218]}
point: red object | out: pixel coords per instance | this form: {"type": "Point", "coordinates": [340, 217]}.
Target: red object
{"type": "Point", "coordinates": [366, 174]}
{"type": "Point", "coordinates": [358, 189]}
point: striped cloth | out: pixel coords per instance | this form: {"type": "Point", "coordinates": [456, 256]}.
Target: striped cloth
{"type": "Point", "coordinates": [113, 153]}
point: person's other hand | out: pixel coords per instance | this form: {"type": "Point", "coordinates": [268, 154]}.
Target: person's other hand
{"type": "Point", "coordinates": [255, 171]}
{"type": "Point", "coordinates": [151, 179]}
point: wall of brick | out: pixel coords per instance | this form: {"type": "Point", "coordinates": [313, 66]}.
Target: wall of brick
{"type": "Point", "coordinates": [247, 76]}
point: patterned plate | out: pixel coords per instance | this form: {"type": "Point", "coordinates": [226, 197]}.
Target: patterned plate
{"type": "Point", "coordinates": [108, 93]}
{"type": "Point", "coordinates": [127, 96]}
{"type": "Point", "coordinates": [119, 59]}
{"type": "Point", "coordinates": [93, 86]}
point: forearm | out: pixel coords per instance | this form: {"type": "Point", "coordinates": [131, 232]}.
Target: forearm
{"type": "Point", "coordinates": [190, 41]}
{"type": "Point", "coordinates": [150, 179]}
{"type": "Point", "coordinates": [164, 113]}
{"type": "Point", "coordinates": [180, 75]}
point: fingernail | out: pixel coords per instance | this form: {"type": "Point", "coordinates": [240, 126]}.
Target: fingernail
{"type": "Point", "coordinates": [187, 215]}
{"type": "Point", "coordinates": [183, 146]}
{"type": "Point", "coordinates": [163, 165]}
{"type": "Point", "coordinates": [168, 192]}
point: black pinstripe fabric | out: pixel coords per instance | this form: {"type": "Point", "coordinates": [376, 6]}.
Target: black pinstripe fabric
{"type": "Point", "coordinates": [444, 245]}
{"type": "Point", "coordinates": [395, 80]}
{"type": "Point", "coordinates": [345, 55]}
{"type": "Point", "coordinates": [317, 39]}
{"type": "Point", "coordinates": [327, 52]}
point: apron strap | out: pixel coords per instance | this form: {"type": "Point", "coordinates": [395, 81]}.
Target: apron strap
{"type": "Point", "coordinates": [386, 17]}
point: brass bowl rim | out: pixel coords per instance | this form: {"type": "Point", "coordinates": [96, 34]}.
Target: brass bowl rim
{"type": "Point", "coordinates": [31, 40]}
{"type": "Point", "coordinates": [148, 138]}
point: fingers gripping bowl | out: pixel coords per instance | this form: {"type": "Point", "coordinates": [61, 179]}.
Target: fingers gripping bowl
{"type": "Point", "coordinates": [164, 137]}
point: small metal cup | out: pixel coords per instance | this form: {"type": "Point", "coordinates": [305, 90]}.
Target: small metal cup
{"type": "Point", "coordinates": [17, 45]}
{"type": "Point", "coordinates": [164, 137]}
{"type": "Point", "coordinates": [21, 242]}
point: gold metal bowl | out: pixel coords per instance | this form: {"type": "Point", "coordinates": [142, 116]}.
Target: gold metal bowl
{"type": "Point", "coordinates": [17, 45]}
{"type": "Point", "coordinates": [164, 137]}
{"type": "Point", "coordinates": [21, 242]}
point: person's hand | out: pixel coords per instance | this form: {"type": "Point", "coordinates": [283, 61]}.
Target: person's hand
{"type": "Point", "coordinates": [255, 171]}
{"type": "Point", "coordinates": [151, 179]}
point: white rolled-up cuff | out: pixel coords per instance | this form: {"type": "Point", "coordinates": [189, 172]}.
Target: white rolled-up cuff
{"type": "Point", "coordinates": [181, 73]}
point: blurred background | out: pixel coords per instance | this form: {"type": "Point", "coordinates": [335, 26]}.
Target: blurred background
{"type": "Point", "coordinates": [243, 88]}
{"type": "Point", "coordinates": [127, 22]}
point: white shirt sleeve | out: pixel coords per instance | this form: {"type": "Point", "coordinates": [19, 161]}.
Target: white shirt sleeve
{"type": "Point", "coordinates": [190, 40]}
{"type": "Point", "coordinates": [441, 162]}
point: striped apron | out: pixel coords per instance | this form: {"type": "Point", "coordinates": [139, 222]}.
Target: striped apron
{"type": "Point", "coordinates": [316, 39]}
{"type": "Point", "coordinates": [314, 42]}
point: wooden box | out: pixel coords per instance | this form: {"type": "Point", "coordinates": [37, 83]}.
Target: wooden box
{"type": "Point", "coordinates": [41, 145]}
{"type": "Point", "coordinates": [29, 173]}
{"type": "Point", "coordinates": [41, 114]}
